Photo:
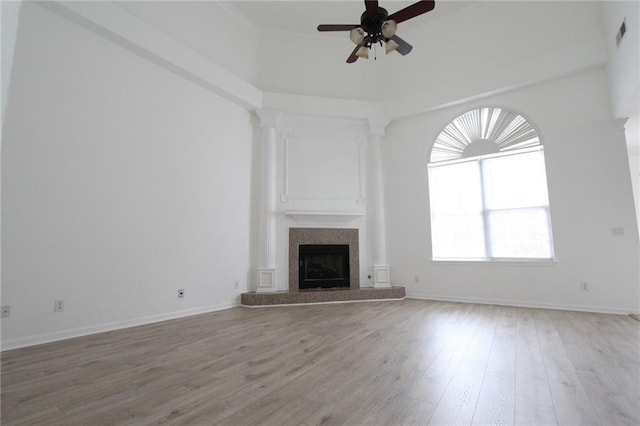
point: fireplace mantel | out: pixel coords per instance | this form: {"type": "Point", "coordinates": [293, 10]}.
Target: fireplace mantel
{"type": "Point", "coordinates": [307, 216]}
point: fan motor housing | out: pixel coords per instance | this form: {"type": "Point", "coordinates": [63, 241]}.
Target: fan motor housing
{"type": "Point", "coordinates": [373, 25]}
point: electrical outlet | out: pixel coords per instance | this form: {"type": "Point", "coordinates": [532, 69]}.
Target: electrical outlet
{"type": "Point", "coordinates": [416, 278]}
{"type": "Point", "coordinates": [6, 311]}
{"type": "Point", "coordinates": [181, 292]}
{"type": "Point", "coordinates": [236, 285]}
{"type": "Point", "coordinates": [584, 286]}
{"type": "Point", "coordinates": [58, 305]}
{"type": "Point", "coordinates": [617, 231]}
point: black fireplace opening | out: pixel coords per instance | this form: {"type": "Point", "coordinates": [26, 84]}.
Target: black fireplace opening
{"type": "Point", "coordinates": [323, 266]}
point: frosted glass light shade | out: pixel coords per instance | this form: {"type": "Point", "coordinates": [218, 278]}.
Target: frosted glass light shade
{"type": "Point", "coordinates": [389, 28]}
{"type": "Point", "coordinates": [357, 35]}
{"type": "Point", "coordinates": [363, 52]}
{"type": "Point", "coordinates": [390, 46]}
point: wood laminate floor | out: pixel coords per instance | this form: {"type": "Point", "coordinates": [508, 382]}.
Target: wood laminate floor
{"type": "Point", "coordinates": [382, 363]}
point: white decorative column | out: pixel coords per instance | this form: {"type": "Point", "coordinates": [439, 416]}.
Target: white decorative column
{"type": "Point", "coordinates": [381, 274]}
{"type": "Point", "coordinates": [266, 273]}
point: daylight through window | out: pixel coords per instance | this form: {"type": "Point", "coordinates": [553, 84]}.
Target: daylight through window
{"type": "Point", "coordinates": [488, 190]}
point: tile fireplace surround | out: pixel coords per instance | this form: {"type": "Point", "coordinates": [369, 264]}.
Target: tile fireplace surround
{"type": "Point", "coordinates": [299, 236]}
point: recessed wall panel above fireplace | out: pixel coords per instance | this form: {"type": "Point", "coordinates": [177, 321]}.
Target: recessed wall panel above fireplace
{"type": "Point", "coordinates": [323, 172]}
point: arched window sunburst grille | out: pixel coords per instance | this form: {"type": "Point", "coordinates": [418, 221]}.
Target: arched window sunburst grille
{"type": "Point", "coordinates": [505, 129]}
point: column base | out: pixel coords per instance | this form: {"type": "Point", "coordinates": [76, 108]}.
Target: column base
{"type": "Point", "coordinates": [381, 276]}
{"type": "Point", "coordinates": [266, 280]}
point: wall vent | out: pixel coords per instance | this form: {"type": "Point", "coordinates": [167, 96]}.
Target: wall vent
{"type": "Point", "coordinates": [621, 31]}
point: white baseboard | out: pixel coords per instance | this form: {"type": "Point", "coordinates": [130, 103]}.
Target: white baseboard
{"type": "Point", "coordinates": [333, 302]}
{"type": "Point", "coordinates": [78, 332]}
{"type": "Point", "coordinates": [118, 325]}
{"type": "Point", "coordinates": [523, 304]}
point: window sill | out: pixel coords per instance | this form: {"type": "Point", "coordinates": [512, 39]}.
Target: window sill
{"type": "Point", "coordinates": [496, 262]}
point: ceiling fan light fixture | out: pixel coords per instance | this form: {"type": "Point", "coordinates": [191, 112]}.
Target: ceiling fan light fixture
{"type": "Point", "coordinates": [357, 35]}
{"type": "Point", "coordinates": [363, 52]}
{"type": "Point", "coordinates": [390, 46]}
{"type": "Point", "coordinates": [389, 28]}
{"type": "Point", "coordinates": [377, 26]}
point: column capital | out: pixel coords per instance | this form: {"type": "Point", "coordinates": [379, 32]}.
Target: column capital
{"type": "Point", "coordinates": [377, 126]}
{"type": "Point", "coordinates": [620, 123]}
{"type": "Point", "coordinates": [269, 118]}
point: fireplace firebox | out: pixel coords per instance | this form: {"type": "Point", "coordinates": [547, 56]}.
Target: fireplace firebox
{"type": "Point", "coordinates": [323, 266]}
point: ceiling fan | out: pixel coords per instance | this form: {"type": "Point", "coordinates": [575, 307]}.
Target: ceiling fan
{"type": "Point", "coordinates": [377, 26]}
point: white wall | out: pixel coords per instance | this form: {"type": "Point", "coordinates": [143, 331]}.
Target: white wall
{"type": "Point", "coordinates": [122, 183]}
{"type": "Point", "coordinates": [492, 47]}
{"type": "Point", "coordinates": [209, 28]}
{"type": "Point", "coordinates": [475, 50]}
{"type": "Point", "coordinates": [632, 132]}
{"type": "Point", "coordinates": [623, 72]}
{"type": "Point", "coordinates": [126, 178]}
{"type": "Point", "coordinates": [314, 65]}
{"type": "Point", "coordinates": [589, 191]}
{"type": "Point", "coordinates": [9, 16]}
{"type": "Point", "coordinates": [623, 65]}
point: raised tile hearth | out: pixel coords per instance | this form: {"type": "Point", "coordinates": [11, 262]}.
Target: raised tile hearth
{"type": "Point", "coordinates": [318, 259]}
{"type": "Point", "coordinates": [321, 296]}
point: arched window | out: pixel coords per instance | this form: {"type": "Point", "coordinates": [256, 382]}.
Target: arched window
{"type": "Point", "coordinates": [488, 189]}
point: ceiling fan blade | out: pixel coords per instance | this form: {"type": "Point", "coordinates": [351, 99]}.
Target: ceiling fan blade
{"type": "Point", "coordinates": [372, 7]}
{"type": "Point", "coordinates": [403, 47]}
{"type": "Point", "coordinates": [331, 27]}
{"type": "Point", "coordinates": [415, 9]}
{"type": "Point", "coordinates": [353, 57]}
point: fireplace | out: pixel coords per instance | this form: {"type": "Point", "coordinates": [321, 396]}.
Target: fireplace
{"type": "Point", "coordinates": [323, 258]}
{"type": "Point", "coordinates": [323, 266]}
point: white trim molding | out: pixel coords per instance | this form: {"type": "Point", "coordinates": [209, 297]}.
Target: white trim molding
{"type": "Point", "coordinates": [118, 325]}
{"type": "Point", "coordinates": [266, 276]}
{"type": "Point", "coordinates": [112, 22]}
{"type": "Point", "coordinates": [522, 304]}
{"type": "Point", "coordinates": [314, 217]}
{"type": "Point", "coordinates": [266, 280]}
{"type": "Point", "coordinates": [381, 276]}
{"type": "Point", "coordinates": [289, 196]}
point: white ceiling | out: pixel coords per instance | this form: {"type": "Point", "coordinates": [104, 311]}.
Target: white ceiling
{"type": "Point", "coordinates": [303, 16]}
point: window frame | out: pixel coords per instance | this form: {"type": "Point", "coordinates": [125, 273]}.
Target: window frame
{"type": "Point", "coordinates": [481, 160]}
